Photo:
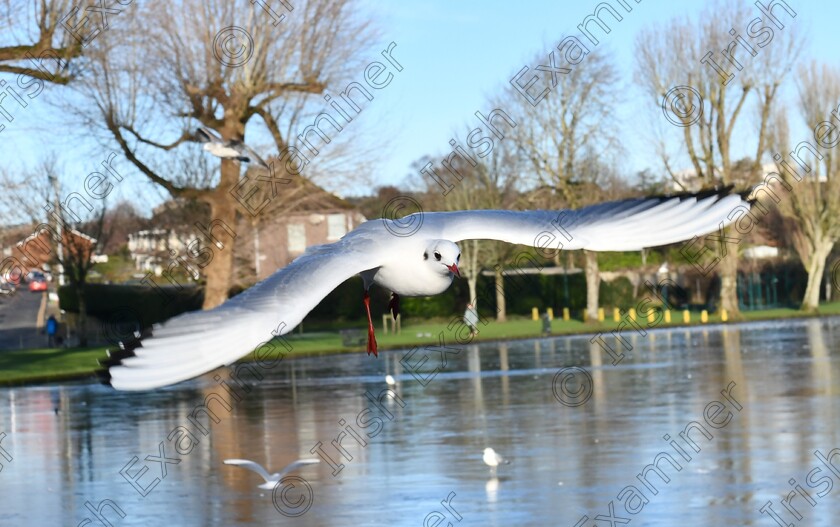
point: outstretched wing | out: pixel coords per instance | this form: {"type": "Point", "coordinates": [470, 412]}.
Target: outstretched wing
{"type": "Point", "coordinates": [291, 467]}
{"type": "Point", "coordinates": [253, 156]}
{"type": "Point", "coordinates": [193, 343]}
{"type": "Point", "coordinates": [250, 465]}
{"type": "Point", "coordinates": [207, 135]}
{"type": "Point", "coordinates": [625, 225]}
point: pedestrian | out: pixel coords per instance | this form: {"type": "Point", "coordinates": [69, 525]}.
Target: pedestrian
{"type": "Point", "coordinates": [52, 329]}
{"type": "Point", "coordinates": [546, 324]}
{"type": "Point", "coordinates": [471, 319]}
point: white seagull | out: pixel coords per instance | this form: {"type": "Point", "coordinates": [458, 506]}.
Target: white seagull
{"type": "Point", "coordinates": [492, 459]}
{"type": "Point", "coordinates": [238, 150]}
{"type": "Point", "coordinates": [270, 479]}
{"type": "Point", "coordinates": [419, 262]}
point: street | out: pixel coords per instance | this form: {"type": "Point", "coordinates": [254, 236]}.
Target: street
{"type": "Point", "coordinates": [18, 316]}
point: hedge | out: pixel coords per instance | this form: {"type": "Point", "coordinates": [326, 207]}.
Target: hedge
{"type": "Point", "coordinates": [143, 304]}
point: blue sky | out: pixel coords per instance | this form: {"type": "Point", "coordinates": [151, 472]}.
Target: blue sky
{"type": "Point", "coordinates": [456, 55]}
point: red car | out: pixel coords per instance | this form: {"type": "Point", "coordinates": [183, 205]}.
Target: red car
{"type": "Point", "coordinates": [38, 285]}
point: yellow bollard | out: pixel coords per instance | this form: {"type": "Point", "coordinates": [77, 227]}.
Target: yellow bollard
{"type": "Point", "coordinates": [616, 314]}
{"type": "Point", "coordinates": [651, 317]}
{"type": "Point", "coordinates": [632, 312]}
{"type": "Point", "coordinates": [566, 314]}
{"type": "Point", "coordinates": [550, 313]}
{"type": "Point", "coordinates": [686, 316]}
{"type": "Point", "coordinates": [585, 315]}
{"type": "Point", "coordinates": [704, 316]}
{"type": "Point", "coordinates": [667, 316]}
{"type": "Point", "coordinates": [724, 316]}
{"type": "Point", "coordinates": [535, 313]}
{"type": "Point", "coordinates": [601, 314]}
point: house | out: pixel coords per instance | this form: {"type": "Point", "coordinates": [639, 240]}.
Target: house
{"type": "Point", "coordinates": [263, 243]}
{"type": "Point", "coordinates": [152, 247]}
{"type": "Point", "coordinates": [27, 248]}
{"type": "Point", "coordinates": [274, 243]}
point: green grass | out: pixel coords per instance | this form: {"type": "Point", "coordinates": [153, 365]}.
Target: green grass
{"type": "Point", "coordinates": [50, 365]}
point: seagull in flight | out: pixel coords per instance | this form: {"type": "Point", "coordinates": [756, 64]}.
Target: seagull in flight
{"type": "Point", "coordinates": [270, 479]}
{"type": "Point", "coordinates": [421, 262]}
{"type": "Point", "coordinates": [238, 150]}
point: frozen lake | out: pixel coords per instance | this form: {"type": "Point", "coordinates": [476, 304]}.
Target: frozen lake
{"type": "Point", "coordinates": [576, 463]}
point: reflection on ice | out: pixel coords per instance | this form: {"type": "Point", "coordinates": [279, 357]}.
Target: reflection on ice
{"type": "Point", "coordinates": [569, 461]}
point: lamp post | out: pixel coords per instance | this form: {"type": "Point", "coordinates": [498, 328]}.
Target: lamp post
{"type": "Point", "coordinates": [58, 228]}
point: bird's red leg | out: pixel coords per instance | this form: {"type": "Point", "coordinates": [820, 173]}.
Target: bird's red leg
{"type": "Point", "coordinates": [394, 305]}
{"type": "Point", "coordinates": [371, 347]}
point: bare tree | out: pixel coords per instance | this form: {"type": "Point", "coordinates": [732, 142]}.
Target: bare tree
{"type": "Point", "coordinates": [42, 49]}
{"type": "Point", "coordinates": [219, 63]}
{"type": "Point", "coordinates": [491, 183]}
{"type": "Point", "coordinates": [559, 134]}
{"type": "Point", "coordinates": [687, 52]}
{"type": "Point", "coordinates": [812, 200]}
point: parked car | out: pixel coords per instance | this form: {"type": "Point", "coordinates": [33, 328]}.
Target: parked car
{"type": "Point", "coordinates": [37, 285]}
{"type": "Point", "coordinates": [36, 275]}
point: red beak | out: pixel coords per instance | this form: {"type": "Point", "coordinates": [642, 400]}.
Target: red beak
{"type": "Point", "coordinates": [454, 269]}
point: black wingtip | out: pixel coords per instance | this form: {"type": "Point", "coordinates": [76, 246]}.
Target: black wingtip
{"type": "Point", "coordinates": [104, 376]}
{"type": "Point", "coordinates": [115, 358]}
{"type": "Point", "coordinates": [720, 192]}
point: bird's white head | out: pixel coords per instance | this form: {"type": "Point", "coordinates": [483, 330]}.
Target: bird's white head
{"type": "Point", "coordinates": [443, 256]}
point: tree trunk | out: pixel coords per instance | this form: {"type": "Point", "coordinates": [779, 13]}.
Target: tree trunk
{"type": "Point", "coordinates": [593, 284]}
{"type": "Point", "coordinates": [222, 209]}
{"type": "Point", "coordinates": [729, 285]}
{"type": "Point", "coordinates": [501, 308]}
{"type": "Point", "coordinates": [816, 268]}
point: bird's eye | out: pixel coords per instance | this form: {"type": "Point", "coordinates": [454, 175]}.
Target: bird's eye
{"type": "Point", "coordinates": [425, 256]}
{"type": "Point", "coordinates": [437, 256]}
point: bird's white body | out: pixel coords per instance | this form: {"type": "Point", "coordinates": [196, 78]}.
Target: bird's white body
{"type": "Point", "coordinates": [220, 150]}
{"type": "Point", "coordinates": [413, 276]}
{"type": "Point", "coordinates": [491, 458]}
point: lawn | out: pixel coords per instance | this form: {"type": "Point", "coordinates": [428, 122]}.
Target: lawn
{"type": "Point", "coordinates": [50, 365]}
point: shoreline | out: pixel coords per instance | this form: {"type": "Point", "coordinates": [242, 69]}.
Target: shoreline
{"type": "Point", "coordinates": [583, 329]}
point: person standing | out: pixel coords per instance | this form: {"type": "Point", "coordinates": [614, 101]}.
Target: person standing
{"type": "Point", "coordinates": [471, 319]}
{"type": "Point", "coordinates": [52, 329]}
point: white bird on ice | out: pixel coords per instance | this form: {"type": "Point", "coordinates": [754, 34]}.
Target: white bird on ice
{"type": "Point", "coordinates": [238, 150]}
{"type": "Point", "coordinates": [270, 479]}
{"type": "Point", "coordinates": [390, 381]}
{"type": "Point", "coordinates": [419, 262]}
{"type": "Point", "coordinates": [492, 459]}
